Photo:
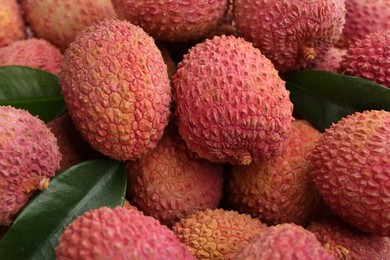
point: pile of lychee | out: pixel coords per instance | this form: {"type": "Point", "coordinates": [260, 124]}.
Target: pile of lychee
{"type": "Point", "coordinates": [190, 95]}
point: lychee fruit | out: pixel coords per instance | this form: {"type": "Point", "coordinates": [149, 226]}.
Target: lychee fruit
{"type": "Point", "coordinates": [11, 22]}
{"type": "Point", "coordinates": [216, 234]}
{"type": "Point", "coordinates": [116, 88]}
{"type": "Point", "coordinates": [331, 61]}
{"type": "Point", "coordinates": [279, 190]}
{"type": "Point", "coordinates": [283, 242]}
{"type": "Point", "coordinates": [336, 234]}
{"type": "Point", "coordinates": [118, 233]}
{"type": "Point", "coordinates": [59, 21]}
{"type": "Point", "coordinates": [369, 58]}
{"type": "Point", "coordinates": [71, 144]}
{"type": "Point", "coordinates": [364, 17]}
{"type": "Point", "coordinates": [34, 53]}
{"type": "Point", "coordinates": [173, 21]}
{"type": "Point", "coordinates": [231, 105]}
{"type": "Point", "coordinates": [170, 182]}
{"type": "Point", "coordinates": [351, 169]}
{"type": "Point", "coordinates": [29, 157]}
{"type": "Point", "coordinates": [292, 34]}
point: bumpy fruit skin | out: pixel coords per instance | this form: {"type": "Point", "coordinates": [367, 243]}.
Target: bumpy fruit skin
{"type": "Point", "coordinates": [34, 53]}
{"type": "Point", "coordinates": [116, 87]}
{"type": "Point", "coordinates": [11, 22]}
{"type": "Point", "coordinates": [216, 234]}
{"type": "Point", "coordinates": [351, 170]}
{"type": "Point", "coordinates": [59, 21]}
{"type": "Point", "coordinates": [364, 17]}
{"type": "Point", "coordinates": [279, 190]}
{"type": "Point", "coordinates": [284, 242]}
{"type": "Point", "coordinates": [71, 144]}
{"type": "Point", "coordinates": [369, 58]}
{"type": "Point", "coordinates": [231, 104]}
{"type": "Point", "coordinates": [331, 61]}
{"type": "Point", "coordinates": [118, 233]}
{"type": "Point", "coordinates": [29, 157]}
{"type": "Point", "coordinates": [290, 33]}
{"type": "Point", "coordinates": [173, 21]}
{"type": "Point", "coordinates": [338, 234]}
{"type": "Point", "coordinates": [170, 182]}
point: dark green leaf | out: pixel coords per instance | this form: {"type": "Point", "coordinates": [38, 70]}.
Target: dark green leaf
{"type": "Point", "coordinates": [324, 97]}
{"type": "Point", "coordinates": [88, 185]}
{"type": "Point", "coordinates": [35, 90]}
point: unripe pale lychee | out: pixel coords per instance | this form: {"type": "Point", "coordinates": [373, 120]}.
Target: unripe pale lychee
{"type": "Point", "coordinates": [279, 190]}
{"type": "Point", "coordinates": [369, 58]}
{"type": "Point", "coordinates": [11, 22]}
{"type": "Point", "coordinates": [170, 182]}
{"type": "Point", "coordinates": [173, 20]}
{"type": "Point", "coordinates": [119, 233]}
{"type": "Point", "coordinates": [331, 61]}
{"type": "Point", "coordinates": [34, 53]}
{"type": "Point", "coordinates": [29, 157]}
{"type": "Point", "coordinates": [351, 170]}
{"type": "Point", "coordinates": [231, 104]}
{"type": "Point", "coordinates": [292, 34]}
{"type": "Point", "coordinates": [59, 21]}
{"type": "Point", "coordinates": [116, 88]}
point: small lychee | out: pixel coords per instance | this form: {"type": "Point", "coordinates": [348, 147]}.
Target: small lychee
{"type": "Point", "coordinates": [11, 22]}
{"type": "Point", "coordinates": [331, 60]}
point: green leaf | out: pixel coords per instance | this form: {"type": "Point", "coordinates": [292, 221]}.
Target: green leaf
{"type": "Point", "coordinates": [85, 186]}
{"type": "Point", "coordinates": [324, 97]}
{"type": "Point", "coordinates": [35, 90]}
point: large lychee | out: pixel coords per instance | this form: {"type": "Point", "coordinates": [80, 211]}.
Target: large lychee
{"type": "Point", "coordinates": [351, 170]}
{"type": "Point", "coordinates": [116, 87]}
{"type": "Point", "coordinates": [369, 58]}
{"type": "Point", "coordinates": [284, 242]}
{"type": "Point", "coordinates": [29, 157]}
{"type": "Point", "coordinates": [279, 190]}
{"type": "Point", "coordinates": [34, 53]}
{"type": "Point", "coordinates": [216, 234]}
{"type": "Point", "coordinates": [173, 20]}
{"type": "Point", "coordinates": [59, 21]}
{"type": "Point", "coordinates": [231, 104]}
{"type": "Point", "coordinates": [11, 22]}
{"type": "Point", "coordinates": [292, 34]}
{"type": "Point", "coordinates": [170, 182]}
{"type": "Point", "coordinates": [119, 233]}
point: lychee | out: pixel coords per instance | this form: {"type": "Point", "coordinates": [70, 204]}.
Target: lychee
{"type": "Point", "coordinates": [29, 157]}
{"type": "Point", "coordinates": [351, 169]}
{"type": "Point", "coordinates": [173, 21]}
{"type": "Point", "coordinates": [118, 233]}
{"type": "Point", "coordinates": [11, 22]}
{"type": "Point", "coordinates": [331, 61]}
{"type": "Point", "coordinates": [231, 104]}
{"type": "Point", "coordinates": [116, 88]}
{"type": "Point", "coordinates": [34, 53]}
{"type": "Point", "coordinates": [292, 34]}
{"type": "Point", "coordinates": [279, 190]}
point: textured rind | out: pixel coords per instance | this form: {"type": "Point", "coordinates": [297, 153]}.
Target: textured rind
{"type": "Point", "coordinates": [283, 242]}
{"type": "Point", "coordinates": [336, 233]}
{"type": "Point", "coordinates": [231, 104]}
{"type": "Point", "coordinates": [170, 183]}
{"type": "Point", "coordinates": [116, 88]}
{"type": "Point", "coordinates": [118, 233]}
{"type": "Point", "coordinates": [331, 61]}
{"type": "Point", "coordinates": [285, 30]}
{"type": "Point", "coordinates": [29, 157]}
{"type": "Point", "coordinates": [72, 146]}
{"type": "Point", "coordinates": [216, 234]}
{"type": "Point", "coordinates": [34, 53]}
{"type": "Point", "coordinates": [369, 58]}
{"type": "Point", "coordinates": [279, 190]}
{"type": "Point", "coordinates": [364, 17]}
{"type": "Point", "coordinates": [173, 21]}
{"type": "Point", "coordinates": [351, 170]}
{"type": "Point", "coordinates": [59, 21]}
{"type": "Point", "coordinates": [11, 22]}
